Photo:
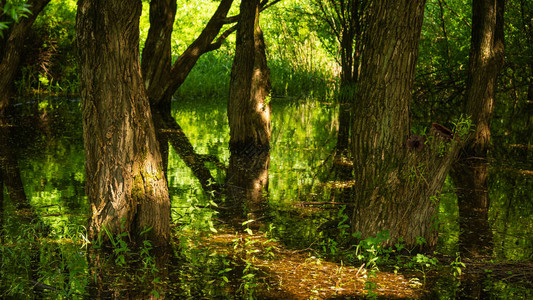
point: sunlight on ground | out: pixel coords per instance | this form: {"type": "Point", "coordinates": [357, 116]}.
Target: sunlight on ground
{"type": "Point", "coordinates": [289, 274]}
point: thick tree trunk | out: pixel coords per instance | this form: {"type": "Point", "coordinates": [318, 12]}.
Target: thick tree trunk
{"type": "Point", "coordinates": [470, 172]}
{"type": "Point", "coordinates": [125, 181]}
{"type": "Point", "coordinates": [249, 117]}
{"type": "Point", "coordinates": [11, 48]}
{"type": "Point", "coordinates": [394, 183]}
{"type": "Point", "coordinates": [248, 106]}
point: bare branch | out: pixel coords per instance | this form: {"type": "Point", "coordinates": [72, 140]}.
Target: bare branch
{"type": "Point", "coordinates": [221, 39]}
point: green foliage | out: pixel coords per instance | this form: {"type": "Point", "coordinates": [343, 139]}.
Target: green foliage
{"type": "Point", "coordinates": [49, 62]}
{"type": "Point", "coordinates": [463, 126]}
{"type": "Point", "coordinates": [423, 264]}
{"type": "Point", "coordinates": [12, 11]}
{"type": "Point", "coordinates": [457, 266]}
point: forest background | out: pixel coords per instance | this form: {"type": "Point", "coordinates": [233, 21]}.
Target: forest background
{"type": "Point", "coordinates": [304, 57]}
{"type": "Point", "coordinates": [303, 54]}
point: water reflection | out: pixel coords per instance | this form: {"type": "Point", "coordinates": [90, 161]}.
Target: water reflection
{"type": "Point", "coordinates": [297, 170]}
{"type": "Point", "coordinates": [247, 187]}
{"type": "Point", "coordinates": [9, 171]}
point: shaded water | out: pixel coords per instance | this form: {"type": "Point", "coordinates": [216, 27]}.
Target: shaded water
{"type": "Point", "coordinates": [46, 138]}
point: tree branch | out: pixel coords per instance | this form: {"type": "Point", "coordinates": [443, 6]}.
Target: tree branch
{"type": "Point", "coordinates": [218, 43]}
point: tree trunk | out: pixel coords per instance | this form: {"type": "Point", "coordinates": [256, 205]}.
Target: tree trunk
{"type": "Point", "coordinates": [10, 49]}
{"type": "Point", "coordinates": [351, 33]}
{"type": "Point", "coordinates": [125, 184]}
{"type": "Point", "coordinates": [156, 57]}
{"type": "Point", "coordinates": [249, 117]}
{"type": "Point", "coordinates": [395, 183]}
{"type": "Point", "coordinates": [161, 80]}
{"type": "Point", "coordinates": [248, 106]}
{"type": "Point", "coordinates": [470, 172]}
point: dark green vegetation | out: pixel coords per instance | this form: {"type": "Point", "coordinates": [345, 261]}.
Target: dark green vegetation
{"type": "Point", "coordinates": [284, 222]}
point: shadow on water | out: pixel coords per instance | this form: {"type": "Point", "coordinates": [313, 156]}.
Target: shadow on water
{"type": "Point", "coordinates": [298, 249]}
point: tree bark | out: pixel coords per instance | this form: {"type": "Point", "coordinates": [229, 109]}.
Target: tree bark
{"type": "Point", "coordinates": [156, 57]}
{"type": "Point", "coordinates": [11, 48]}
{"type": "Point", "coordinates": [248, 106]}
{"type": "Point", "coordinates": [394, 183]}
{"type": "Point", "coordinates": [249, 118]}
{"type": "Point", "coordinates": [470, 172]}
{"type": "Point", "coordinates": [125, 184]}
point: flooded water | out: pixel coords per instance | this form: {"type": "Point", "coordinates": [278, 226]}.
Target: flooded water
{"type": "Point", "coordinates": [294, 254]}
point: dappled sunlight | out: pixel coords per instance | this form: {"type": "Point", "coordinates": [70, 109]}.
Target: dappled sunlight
{"type": "Point", "coordinates": [296, 274]}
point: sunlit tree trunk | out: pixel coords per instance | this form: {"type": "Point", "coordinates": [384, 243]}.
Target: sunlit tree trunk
{"type": "Point", "coordinates": [470, 172]}
{"type": "Point", "coordinates": [125, 184]}
{"type": "Point", "coordinates": [248, 105]}
{"type": "Point", "coordinates": [394, 182]}
{"type": "Point", "coordinates": [11, 47]}
{"type": "Point", "coordinates": [249, 115]}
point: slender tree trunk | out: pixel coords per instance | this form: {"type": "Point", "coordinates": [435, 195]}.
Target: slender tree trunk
{"type": "Point", "coordinates": [350, 35]}
{"type": "Point", "coordinates": [396, 176]}
{"type": "Point", "coordinates": [125, 184]}
{"type": "Point", "coordinates": [248, 107]}
{"type": "Point", "coordinates": [470, 172]}
{"type": "Point", "coordinates": [161, 80]}
{"type": "Point", "coordinates": [347, 87]}
{"type": "Point", "coordinates": [10, 49]}
{"type": "Point", "coordinates": [156, 57]}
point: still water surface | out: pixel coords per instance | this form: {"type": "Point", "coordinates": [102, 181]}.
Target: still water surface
{"type": "Point", "coordinates": [46, 138]}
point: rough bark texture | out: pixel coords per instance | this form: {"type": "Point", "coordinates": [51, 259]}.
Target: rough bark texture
{"type": "Point", "coordinates": [11, 48]}
{"type": "Point", "coordinates": [160, 81]}
{"type": "Point", "coordinates": [394, 183]}
{"type": "Point", "coordinates": [248, 106]}
{"type": "Point", "coordinates": [470, 172]}
{"type": "Point", "coordinates": [125, 182]}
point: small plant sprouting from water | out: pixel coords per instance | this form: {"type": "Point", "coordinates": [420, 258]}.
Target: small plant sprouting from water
{"type": "Point", "coordinates": [423, 264]}
{"type": "Point", "coordinates": [457, 267]}
{"type": "Point", "coordinates": [120, 247]}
